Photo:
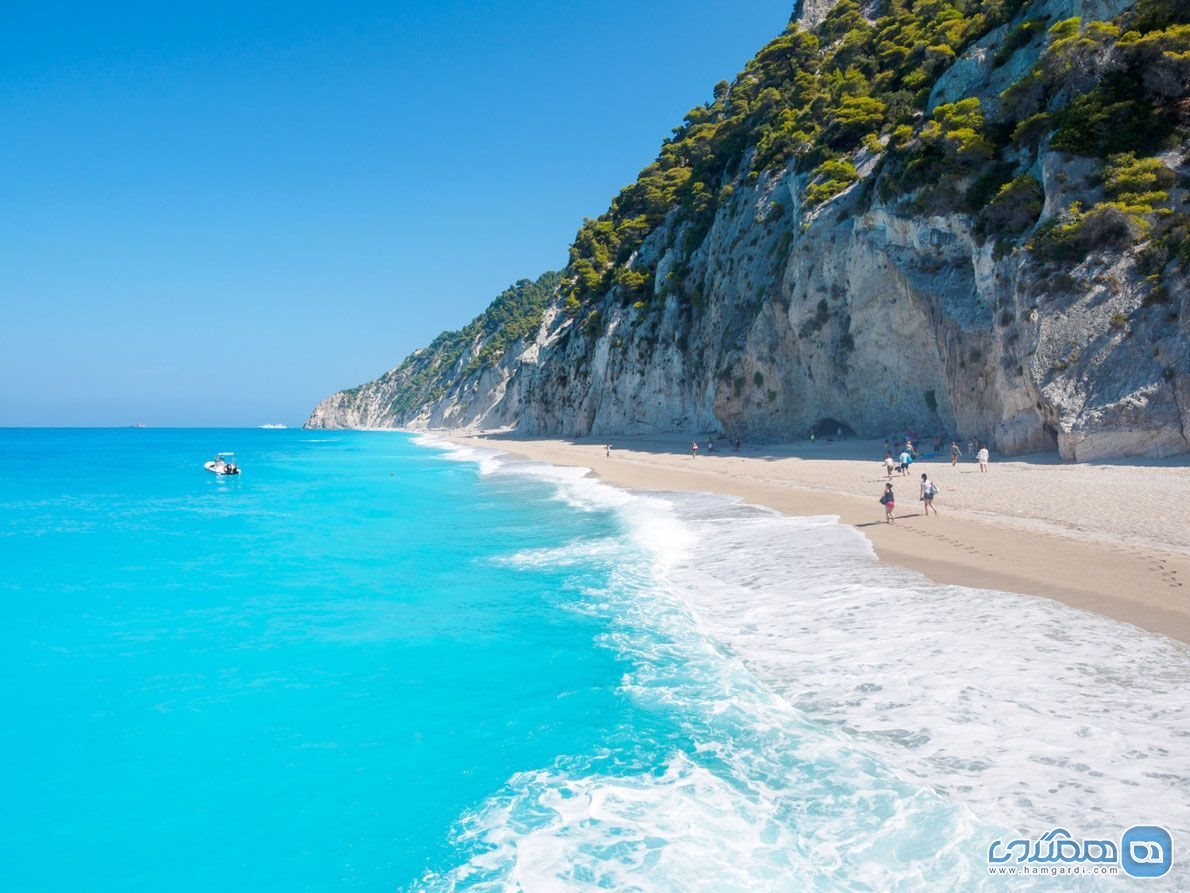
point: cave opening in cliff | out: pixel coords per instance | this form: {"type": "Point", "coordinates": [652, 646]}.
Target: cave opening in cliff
{"type": "Point", "coordinates": [829, 427]}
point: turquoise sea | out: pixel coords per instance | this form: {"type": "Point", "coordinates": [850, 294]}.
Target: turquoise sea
{"type": "Point", "coordinates": [375, 662]}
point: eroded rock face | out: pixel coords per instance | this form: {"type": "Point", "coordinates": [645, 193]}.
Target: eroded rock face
{"type": "Point", "coordinates": [871, 314]}
{"type": "Point", "coordinates": [876, 319]}
{"type": "Point", "coordinates": [811, 12]}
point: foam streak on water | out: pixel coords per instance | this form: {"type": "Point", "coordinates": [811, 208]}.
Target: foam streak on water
{"type": "Point", "coordinates": [845, 724]}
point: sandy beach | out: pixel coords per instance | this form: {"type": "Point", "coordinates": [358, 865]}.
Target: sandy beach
{"type": "Point", "coordinates": [1110, 538]}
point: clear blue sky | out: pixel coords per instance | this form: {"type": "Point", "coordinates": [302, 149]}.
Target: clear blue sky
{"type": "Point", "coordinates": [218, 213]}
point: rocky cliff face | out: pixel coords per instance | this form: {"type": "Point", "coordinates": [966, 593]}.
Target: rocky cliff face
{"type": "Point", "coordinates": [867, 310]}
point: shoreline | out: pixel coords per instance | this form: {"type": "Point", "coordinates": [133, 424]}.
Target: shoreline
{"type": "Point", "coordinates": [1092, 569]}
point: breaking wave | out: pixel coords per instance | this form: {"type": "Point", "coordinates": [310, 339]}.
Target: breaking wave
{"type": "Point", "coordinates": [829, 721]}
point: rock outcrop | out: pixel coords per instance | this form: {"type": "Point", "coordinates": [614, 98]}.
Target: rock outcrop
{"type": "Point", "coordinates": [864, 311]}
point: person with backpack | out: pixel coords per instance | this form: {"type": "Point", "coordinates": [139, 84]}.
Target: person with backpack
{"type": "Point", "coordinates": [928, 491]}
{"type": "Point", "coordinates": [888, 500]}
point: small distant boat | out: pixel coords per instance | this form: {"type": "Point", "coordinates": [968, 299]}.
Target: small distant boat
{"type": "Point", "coordinates": [139, 425]}
{"type": "Point", "coordinates": [274, 425]}
{"type": "Point", "coordinates": [223, 463]}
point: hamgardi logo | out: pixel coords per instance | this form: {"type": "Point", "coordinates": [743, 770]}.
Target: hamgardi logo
{"type": "Point", "coordinates": [1144, 851]}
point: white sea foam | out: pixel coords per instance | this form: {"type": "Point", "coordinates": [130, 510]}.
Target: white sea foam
{"type": "Point", "coordinates": [855, 726]}
{"type": "Point", "coordinates": [580, 551]}
{"type": "Point", "coordinates": [1031, 713]}
{"type": "Point", "coordinates": [754, 796]}
{"type": "Point", "coordinates": [690, 828]}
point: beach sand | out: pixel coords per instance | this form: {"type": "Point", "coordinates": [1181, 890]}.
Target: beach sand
{"type": "Point", "coordinates": [1111, 538]}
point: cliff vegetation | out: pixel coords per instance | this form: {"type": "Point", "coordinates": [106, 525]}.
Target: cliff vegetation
{"type": "Point", "coordinates": [955, 215]}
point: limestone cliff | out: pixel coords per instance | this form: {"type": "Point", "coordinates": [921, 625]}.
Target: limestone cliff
{"type": "Point", "coordinates": [456, 372]}
{"type": "Point", "coordinates": [879, 299]}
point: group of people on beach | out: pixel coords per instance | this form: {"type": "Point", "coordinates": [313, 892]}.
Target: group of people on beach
{"type": "Point", "coordinates": [975, 446]}
{"type": "Point", "coordinates": [710, 447]}
{"type": "Point", "coordinates": [907, 454]}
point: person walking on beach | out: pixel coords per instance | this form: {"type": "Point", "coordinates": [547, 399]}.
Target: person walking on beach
{"type": "Point", "coordinates": [889, 464]}
{"type": "Point", "coordinates": [905, 460]}
{"type": "Point", "coordinates": [982, 456]}
{"type": "Point", "coordinates": [955, 453]}
{"type": "Point", "coordinates": [693, 449]}
{"type": "Point", "coordinates": [889, 502]}
{"type": "Point", "coordinates": [609, 451]}
{"type": "Point", "coordinates": [928, 492]}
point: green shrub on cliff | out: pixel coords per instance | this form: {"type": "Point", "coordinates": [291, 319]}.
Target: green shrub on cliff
{"type": "Point", "coordinates": [949, 148]}
{"type": "Point", "coordinates": [1116, 116]}
{"type": "Point", "coordinates": [1105, 226]}
{"type": "Point", "coordinates": [814, 99]}
{"type": "Point", "coordinates": [1018, 38]}
{"type": "Point", "coordinates": [805, 99]}
{"type": "Point", "coordinates": [1136, 208]}
{"type": "Point", "coordinates": [593, 324]}
{"type": "Point", "coordinates": [1151, 15]}
{"type": "Point", "coordinates": [514, 314]}
{"type": "Point", "coordinates": [1015, 208]}
{"type": "Point", "coordinates": [830, 178]}
{"type": "Point", "coordinates": [984, 188]}
{"type": "Point", "coordinates": [956, 130]}
{"type": "Point", "coordinates": [1170, 243]}
{"type": "Point", "coordinates": [1137, 181]}
{"type": "Point", "coordinates": [1107, 86]}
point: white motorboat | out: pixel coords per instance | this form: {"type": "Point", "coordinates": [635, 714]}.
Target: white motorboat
{"type": "Point", "coordinates": [223, 463]}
